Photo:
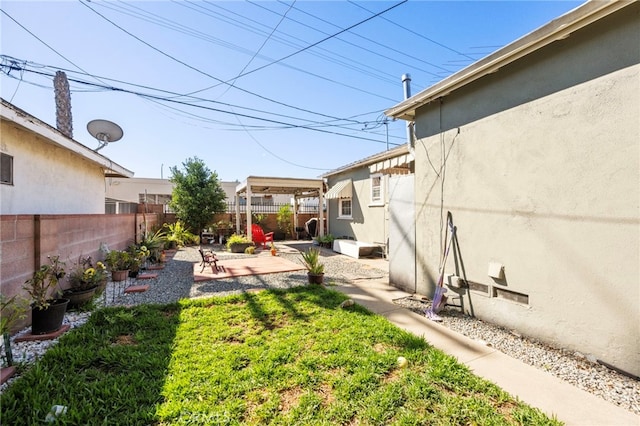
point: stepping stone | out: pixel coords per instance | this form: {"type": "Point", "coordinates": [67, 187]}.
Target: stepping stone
{"type": "Point", "coordinates": [136, 288]}
{"type": "Point", "coordinates": [155, 267]}
{"type": "Point", "coordinates": [6, 373]}
{"type": "Point", "coordinates": [147, 276]}
{"type": "Point", "coordinates": [48, 336]}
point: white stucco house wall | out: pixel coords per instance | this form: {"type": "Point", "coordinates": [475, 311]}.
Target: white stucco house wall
{"type": "Point", "coordinates": [45, 172]}
{"type": "Point", "coordinates": [360, 197]}
{"type": "Point", "coordinates": [535, 150]}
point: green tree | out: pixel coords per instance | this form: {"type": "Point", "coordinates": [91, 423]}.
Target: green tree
{"type": "Point", "coordinates": [197, 194]}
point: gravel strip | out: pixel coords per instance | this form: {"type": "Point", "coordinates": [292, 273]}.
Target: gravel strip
{"type": "Point", "coordinates": [175, 282]}
{"type": "Point", "coordinates": [569, 366]}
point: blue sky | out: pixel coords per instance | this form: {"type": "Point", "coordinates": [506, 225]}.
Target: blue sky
{"type": "Point", "coordinates": [262, 88]}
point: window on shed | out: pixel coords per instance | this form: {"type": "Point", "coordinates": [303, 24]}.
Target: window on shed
{"type": "Point", "coordinates": [344, 208]}
{"type": "Point", "coordinates": [376, 189]}
{"type": "Point", "coordinates": [6, 169]}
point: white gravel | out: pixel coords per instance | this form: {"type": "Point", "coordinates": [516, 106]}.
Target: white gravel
{"type": "Point", "coordinates": [176, 282]}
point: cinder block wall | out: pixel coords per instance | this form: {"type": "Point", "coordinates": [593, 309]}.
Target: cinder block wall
{"type": "Point", "coordinates": [26, 241]}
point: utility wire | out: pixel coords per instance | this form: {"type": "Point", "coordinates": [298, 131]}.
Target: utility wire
{"type": "Point", "coordinates": [370, 72]}
{"type": "Point", "coordinates": [413, 32]}
{"type": "Point", "coordinates": [14, 64]}
{"type": "Point", "coordinates": [367, 39]}
{"type": "Point", "coordinates": [320, 41]}
{"type": "Point", "coordinates": [246, 130]}
{"type": "Point", "coordinates": [43, 42]}
{"type": "Point", "coordinates": [200, 71]}
{"type": "Point", "coordinates": [150, 96]}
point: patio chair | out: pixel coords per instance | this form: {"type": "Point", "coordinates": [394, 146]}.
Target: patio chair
{"type": "Point", "coordinates": [259, 237]}
{"type": "Point", "coordinates": [209, 258]}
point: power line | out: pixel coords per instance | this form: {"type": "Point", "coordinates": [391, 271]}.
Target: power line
{"type": "Point", "coordinates": [159, 98]}
{"type": "Point", "coordinates": [367, 39]}
{"type": "Point", "coordinates": [413, 32]}
{"type": "Point", "coordinates": [14, 64]}
{"type": "Point", "coordinates": [200, 71]}
{"type": "Point", "coordinates": [321, 41]}
{"type": "Point", "coordinates": [43, 42]}
{"type": "Point", "coordinates": [366, 70]}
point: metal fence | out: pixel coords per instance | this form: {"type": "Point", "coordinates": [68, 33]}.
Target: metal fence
{"type": "Point", "coordinates": [270, 208]}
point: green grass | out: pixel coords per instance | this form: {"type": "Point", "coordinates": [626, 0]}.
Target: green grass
{"type": "Point", "coordinates": [278, 357]}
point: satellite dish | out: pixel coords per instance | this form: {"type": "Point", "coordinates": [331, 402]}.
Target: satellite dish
{"type": "Point", "coordinates": [105, 131]}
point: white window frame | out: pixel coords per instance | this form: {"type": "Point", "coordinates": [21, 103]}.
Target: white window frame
{"type": "Point", "coordinates": [341, 214]}
{"type": "Point", "coordinates": [379, 201]}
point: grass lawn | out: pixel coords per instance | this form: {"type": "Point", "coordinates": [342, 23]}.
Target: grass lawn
{"type": "Point", "coordinates": [276, 357]}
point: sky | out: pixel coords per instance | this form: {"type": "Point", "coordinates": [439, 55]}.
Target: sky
{"type": "Point", "coordinates": [252, 88]}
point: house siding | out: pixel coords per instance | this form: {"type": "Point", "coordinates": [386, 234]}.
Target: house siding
{"type": "Point", "coordinates": [541, 176]}
{"type": "Point", "coordinates": [368, 223]}
{"type": "Point", "coordinates": [47, 178]}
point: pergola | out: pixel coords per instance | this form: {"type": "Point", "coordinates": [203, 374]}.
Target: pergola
{"type": "Point", "coordinates": [299, 188]}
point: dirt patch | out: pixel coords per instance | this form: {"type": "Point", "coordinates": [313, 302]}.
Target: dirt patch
{"type": "Point", "coordinates": [289, 398]}
{"type": "Point", "coordinates": [125, 340]}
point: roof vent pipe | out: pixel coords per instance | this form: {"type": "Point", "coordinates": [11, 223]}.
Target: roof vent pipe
{"type": "Point", "coordinates": [406, 84]}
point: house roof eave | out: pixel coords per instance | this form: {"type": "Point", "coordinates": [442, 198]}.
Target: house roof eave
{"type": "Point", "coordinates": [558, 29]}
{"type": "Point", "coordinates": [15, 115]}
{"type": "Point", "coordinates": [299, 187]}
{"type": "Point", "coordinates": [375, 158]}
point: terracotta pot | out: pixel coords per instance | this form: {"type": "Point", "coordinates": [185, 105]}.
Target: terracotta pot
{"type": "Point", "coordinates": [119, 275]}
{"type": "Point", "coordinates": [48, 320]}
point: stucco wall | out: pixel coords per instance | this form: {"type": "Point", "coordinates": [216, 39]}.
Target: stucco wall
{"type": "Point", "coordinates": [368, 223]}
{"type": "Point", "coordinates": [48, 179]}
{"type": "Point", "coordinates": [546, 183]}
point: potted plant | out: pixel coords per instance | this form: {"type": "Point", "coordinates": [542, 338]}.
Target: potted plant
{"type": "Point", "coordinates": [47, 313]}
{"type": "Point", "coordinates": [311, 259]}
{"type": "Point", "coordinates": [84, 280]}
{"type": "Point", "coordinates": [224, 228]}
{"type": "Point", "coordinates": [138, 255]}
{"type": "Point", "coordinates": [12, 310]}
{"type": "Point", "coordinates": [154, 242]}
{"type": "Point", "coordinates": [283, 218]}
{"type": "Point", "coordinates": [238, 243]}
{"type": "Point", "coordinates": [178, 235]}
{"type": "Point", "coordinates": [118, 262]}
{"type": "Point", "coordinates": [325, 241]}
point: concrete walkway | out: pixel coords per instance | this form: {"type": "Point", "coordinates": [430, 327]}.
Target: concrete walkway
{"type": "Point", "coordinates": [536, 388]}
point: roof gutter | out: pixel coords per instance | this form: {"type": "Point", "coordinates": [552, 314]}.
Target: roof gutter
{"type": "Point", "coordinates": [558, 29]}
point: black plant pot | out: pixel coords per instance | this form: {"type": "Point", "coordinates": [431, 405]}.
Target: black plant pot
{"type": "Point", "coordinates": [48, 320]}
{"type": "Point", "coordinates": [315, 278]}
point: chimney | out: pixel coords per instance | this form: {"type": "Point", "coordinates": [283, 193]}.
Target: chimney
{"type": "Point", "coordinates": [63, 104]}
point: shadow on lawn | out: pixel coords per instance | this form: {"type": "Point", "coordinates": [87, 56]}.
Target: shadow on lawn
{"type": "Point", "coordinates": [113, 367]}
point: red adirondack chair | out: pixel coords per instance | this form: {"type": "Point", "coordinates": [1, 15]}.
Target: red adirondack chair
{"type": "Point", "coordinates": [259, 237]}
